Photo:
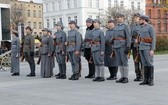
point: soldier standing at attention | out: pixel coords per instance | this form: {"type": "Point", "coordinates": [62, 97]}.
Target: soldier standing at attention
{"type": "Point", "coordinates": [45, 52]}
{"type": "Point", "coordinates": [122, 42]}
{"type": "Point", "coordinates": [74, 42]}
{"type": "Point", "coordinates": [98, 47]}
{"type": "Point", "coordinates": [28, 50]}
{"type": "Point", "coordinates": [15, 54]}
{"type": "Point", "coordinates": [60, 50]}
{"type": "Point", "coordinates": [135, 28]}
{"type": "Point", "coordinates": [110, 60]}
{"type": "Point", "coordinates": [147, 47]}
{"type": "Point", "coordinates": [87, 48]}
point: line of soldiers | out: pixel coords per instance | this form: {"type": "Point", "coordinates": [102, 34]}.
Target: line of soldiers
{"type": "Point", "coordinates": [110, 49]}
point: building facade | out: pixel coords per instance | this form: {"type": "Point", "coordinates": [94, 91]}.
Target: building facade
{"type": "Point", "coordinates": [33, 14]}
{"type": "Point", "coordinates": [80, 10]}
{"type": "Point", "coordinates": [157, 10]}
{"type": "Point", "coordinates": [4, 20]}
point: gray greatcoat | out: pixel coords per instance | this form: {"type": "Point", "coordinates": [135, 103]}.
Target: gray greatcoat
{"type": "Point", "coordinates": [15, 55]}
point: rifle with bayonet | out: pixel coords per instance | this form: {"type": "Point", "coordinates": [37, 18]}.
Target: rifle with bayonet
{"type": "Point", "coordinates": [137, 58]}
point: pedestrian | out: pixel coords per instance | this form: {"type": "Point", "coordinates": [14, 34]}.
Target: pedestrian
{"type": "Point", "coordinates": [87, 48]}
{"type": "Point", "coordinates": [28, 50]}
{"type": "Point", "coordinates": [74, 49]}
{"type": "Point", "coordinates": [60, 50]}
{"type": "Point", "coordinates": [110, 59]}
{"type": "Point", "coordinates": [122, 42]}
{"type": "Point", "coordinates": [15, 54]}
{"type": "Point", "coordinates": [98, 48]}
{"type": "Point", "coordinates": [135, 28]}
{"type": "Point", "coordinates": [147, 47]}
{"type": "Point", "coordinates": [45, 53]}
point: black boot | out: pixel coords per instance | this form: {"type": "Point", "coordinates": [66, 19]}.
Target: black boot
{"type": "Point", "coordinates": [76, 76]}
{"type": "Point", "coordinates": [101, 79]}
{"type": "Point", "coordinates": [57, 74]}
{"type": "Point", "coordinates": [96, 79]}
{"type": "Point", "coordinates": [63, 77]}
{"type": "Point", "coordinates": [145, 81]}
{"type": "Point", "coordinates": [113, 73]}
{"type": "Point", "coordinates": [72, 77]}
{"type": "Point", "coordinates": [151, 76]}
{"type": "Point", "coordinates": [91, 71]}
{"type": "Point", "coordinates": [120, 80]}
{"type": "Point", "coordinates": [15, 74]}
{"type": "Point", "coordinates": [125, 80]}
{"type": "Point", "coordinates": [59, 77]}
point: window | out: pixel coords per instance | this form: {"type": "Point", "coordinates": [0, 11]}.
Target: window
{"type": "Point", "coordinates": [40, 25]}
{"type": "Point", "coordinates": [59, 5]}
{"type": "Point", "coordinates": [165, 26]}
{"type": "Point", "coordinates": [165, 14]}
{"type": "Point", "coordinates": [149, 13]}
{"type": "Point", "coordinates": [39, 14]}
{"type": "Point", "coordinates": [97, 3]}
{"type": "Point", "coordinates": [34, 25]}
{"type": "Point", "coordinates": [90, 3]}
{"type": "Point", "coordinates": [139, 6]}
{"type": "Point", "coordinates": [46, 7]}
{"type": "Point", "coordinates": [48, 23]}
{"type": "Point", "coordinates": [60, 19]}
{"type": "Point", "coordinates": [29, 24]}
{"type": "Point", "coordinates": [69, 19]}
{"type": "Point", "coordinates": [159, 14]}
{"type": "Point", "coordinates": [159, 26]}
{"type": "Point", "coordinates": [122, 4]}
{"type": "Point", "coordinates": [68, 4]}
{"type": "Point", "coordinates": [109, 3]}
{"type": "Point", "coordinates": [54, 22]}
{"type": "Point", "coordinates": [34, 13]}
{"type": "Point", "coordinates": [132, 5]}
{"type": "Point", "coordinates": [115, 3]}
{"type": "Point", "coordinates": [53, 6]}
{"type": "Point", "coordinates": [28, 13]}
{"type": "Point", "coordinates": [75, 19]}
{"type": "Point", "coordinates": [90, 16]}
{"type": "Point", "coordinates": [75, 3]}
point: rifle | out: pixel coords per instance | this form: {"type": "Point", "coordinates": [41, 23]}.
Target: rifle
{"type": "Point", "coordinates": [137, 58]}
{"type": "Point", "coordinates": [39, 60]}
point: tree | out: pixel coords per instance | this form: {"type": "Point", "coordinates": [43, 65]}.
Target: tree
{"type": "Point", "coordinates": [111, 13]}
{"type": "Point", "coordinates": [17, 13]}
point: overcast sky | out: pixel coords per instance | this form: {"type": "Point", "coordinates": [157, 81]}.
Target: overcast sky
{"type": "Point", "coordinates": [36, 1]}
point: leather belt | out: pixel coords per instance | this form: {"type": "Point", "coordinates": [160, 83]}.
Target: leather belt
{"type": "Point", "coordinates": [146, 40]}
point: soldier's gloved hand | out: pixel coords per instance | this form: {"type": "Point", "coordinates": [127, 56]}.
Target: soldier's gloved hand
{"type": "Point", "coordinates": [126, 50]}
{"type": "Point", "coordinates": [32, 54]}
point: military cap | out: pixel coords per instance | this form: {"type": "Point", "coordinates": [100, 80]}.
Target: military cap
{"type": "Point", "coordinates": [97, 21]}
{"type": "Point", "coordinates": [136, 14]}
{"type": "Point", "coordinates": [89, 20]}
{"type": "Point", "coordinates": [45, 29]}
{"type": "Point", "coordinates": [120, 15]}
{"type": "Point", "coordinates": [72, 22]}
{"type": "Point", "coordinates": [59, 24]}
{"type": "Point", "coordinates": [112, 21]}
{"type": "Point", "coordinates": [144, 17]}
{"type": "Point", "coordinates": [28, 27]}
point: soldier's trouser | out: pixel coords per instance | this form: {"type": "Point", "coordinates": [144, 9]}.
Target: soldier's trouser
{"type": "Point", "coordinates": [113, 71]}
{"type": "Point", "coordinates": [61, 63]}
{"type": "Point", "coordinates": [99, 71]}
{"type": "Point", "coordinates": [122, 61]}
{"type": "Point", "coordinates": [74, 59]}
{"type": "Point", "coordinates": [147, 62]}
{"type": "Point", "coordinates": [138, 65]}
{"type": "Point", "coordinates": [88, 56]}
{"type": "Point", "coordinates": [30, 60]}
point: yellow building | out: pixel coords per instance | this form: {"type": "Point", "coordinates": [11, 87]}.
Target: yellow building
{"type": "Point", "coordinates": [32, 16]}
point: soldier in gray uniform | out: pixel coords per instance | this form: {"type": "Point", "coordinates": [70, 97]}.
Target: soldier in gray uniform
{"type": "Point", "coordinates": [110, 59]}
{"type": "Point", "coordinates": [45, 53]}
{"type": "Point", "coordinates": [122, 42]}
{"type": "Point", "coordinates": [15, 54]}
{"type": "Point", "coordinates": [135, 48]}
{"type": "Point", "coordinates": [28, 50]}
{"type": "Point", "coordinates": [147, 47]}
{"type": "Point", "coordinates": [87, 48]}
{"type": "Point", "coordinates": [60, 50]}
{"type": "Point", "coordinates": [74, 49]}
{"type": "Point", "coordinates": [98, 48]}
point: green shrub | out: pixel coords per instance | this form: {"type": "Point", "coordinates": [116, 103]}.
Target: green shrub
{"type": "Point", "coordinates": [162, 43]}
